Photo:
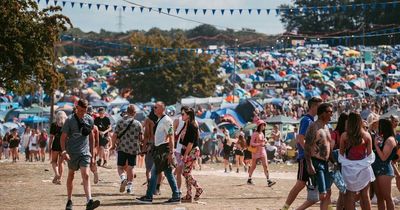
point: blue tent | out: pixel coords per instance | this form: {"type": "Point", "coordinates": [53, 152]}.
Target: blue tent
{"type": "Point", "coordinates": [35, 119]}
{"type": "Point", "coordinates": [225, 111]}
{"type": "Point", "coordinates": [246, 108]}
{"type": "Point", "coordinates": [273, 77]}
{"type": "Point", "coordinates": [248, 65]}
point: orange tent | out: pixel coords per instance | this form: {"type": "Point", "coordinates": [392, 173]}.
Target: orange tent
{"type": "Point", "coordinates": [396, 85]}
{"type": "Point", "coordinates": [232, 99]}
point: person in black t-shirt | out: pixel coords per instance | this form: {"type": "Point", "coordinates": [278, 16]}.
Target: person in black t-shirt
{"type": "Point", "coordinates": [103, 123]}
{"type": "Point", "coordinates": [57, 162]}
{"type": "Point", "coordinates": [190, 152]}
{"type": "Point", "coordinates": [14, 142]}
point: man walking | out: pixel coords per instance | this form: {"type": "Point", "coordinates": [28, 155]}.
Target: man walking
{"type": "Point", "coordinates": [317, 153]}
{"type": "Point", "coordinates": [163, 157]}
{"type": "Point", "coordinates": [128, 136]}
{"type": "Point", "coordinates": [103, 123]}
{"type": "Point", "coordinates": [302, 175]}
{"type": "Point", "coordinates": [76, 150]}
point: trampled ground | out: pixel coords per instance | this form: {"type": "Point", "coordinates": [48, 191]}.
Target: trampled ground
{"type": "Point", "coordinates": [28, 186]}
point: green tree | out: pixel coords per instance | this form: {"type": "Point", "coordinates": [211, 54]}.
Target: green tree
{"type": "Point", "coordinates": [27, 42]}
{"type": "Point", "coordinates": [355, 20]}
{"type": "Point", "coordinates": [167, 75]}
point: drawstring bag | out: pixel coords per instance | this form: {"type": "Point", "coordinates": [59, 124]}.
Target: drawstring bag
{"type": "Point", "coordinates": [312, 190]}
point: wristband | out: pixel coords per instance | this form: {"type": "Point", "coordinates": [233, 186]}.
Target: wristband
{"type": "Point", "coordinates": [63, 152]}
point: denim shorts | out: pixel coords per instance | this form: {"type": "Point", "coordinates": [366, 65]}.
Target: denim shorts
{"type": "Point", "coordinates": [382, 168]}
{"type": "Point", "coordinates": [322, 175]}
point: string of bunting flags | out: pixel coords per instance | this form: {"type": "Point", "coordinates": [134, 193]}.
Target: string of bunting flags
{"type": "Point", "coordinates": [332, 40]}
{"type": "Point", "coordinates": [278, 11]}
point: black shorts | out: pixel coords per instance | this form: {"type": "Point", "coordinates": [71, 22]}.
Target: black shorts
{"type": "Point", "coordinates": [247, 154]}
{"type": "Point", "coordinates": [103, 141]}
{"type": "Point", "coordinates": [123, 157]}
{"type": "Point", "coordinates": [239, 152]}
{"type": "Point", "coordinates": [302, 173]}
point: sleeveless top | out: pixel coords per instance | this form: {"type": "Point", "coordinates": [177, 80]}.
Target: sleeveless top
{"type": "Point", "coordinates": [358, 152]}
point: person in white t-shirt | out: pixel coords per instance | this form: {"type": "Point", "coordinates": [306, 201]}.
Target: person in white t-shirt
{"type": "Point", "coordinates": [179, 132]}
{"type": "Point", "coordinates": [25, 142]}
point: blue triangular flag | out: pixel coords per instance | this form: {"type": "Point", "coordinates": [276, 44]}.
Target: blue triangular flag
{"type": "Point", "coordinates": [47, 1]}
{"type": "Point", "coordinates": [72, 4]}
{"type": "Point", "coordinates": [249, 11]}
{"type": "Point", "coordinates": [115, 7]}
{"type": "Point", "coordinates": [364, 6]}
{"type": "Point", "coordinates": [213, 11]}
{"type": "Point", "coordinates": [141, 9]}
{"type": "Point", "coordinates": [344, 8]}
{"type": "Point", "coordinates": [373, 6]}
{"type": "Point", "coordinates": [81, 4]}
{"type": "Point", "coordinates": [106, 6]}
{"type": "Point", "coordinates": [353, 6]}
{"type": "Point", "coordinates": [168, 10]}
{"type": "Point", "coordinates": [277, 11]}
{"type": "Point", "coordinates": [38, 1]}
{"type": "Point", "coordinates": [258, 11]}
{"type": "Point", "coordinates": [383, 5]}
{"type": "Point", "coordinates": [177, 10]}
{"type": "Point", "coordinates": [231, 11]}
{"type": "Point", "coordinates": [315, 9]}
{"type": "Point", "coordinates": [150, 9]}
{"type": "Point", "coordinates": [156, 50]}
{"type": "Point", "coordinates": [240, 11]}
{"type": "Point", "coordinates": [55, 3]}
{"type": "Point", "coordinates": [133, 8]}
{"type": "Point", "coordinates": [90, 5]}
{"type": "Point", "coordinates": [204, 11]}
{"type": "Point", "coordinates": [98, 6]}
{"type": "Point", "coordinates": [268, 10]}
{"type": "Point", "coordinates": [123, 8]}
{"type": "Point", "coordinates": [394, 5]}
{"type": "Point", "coordinates": [305, 10]}
{"type": "Point", "coordinates": [222, 11]}
{"type": "Point", "coordinates": [159, 10]}
{"type": "Point", "coordinates": [334, 8]}
{"type": "Point", "coordinates": [64, 3]}
{"type": "Point", "coordinates": [186, 11]}
{"type": "Point", "coordinates": [295, 11]}
{"type": "Point", "coordinates": [325, 9]}
{"type": "Point", "coordinates": [195, 11]}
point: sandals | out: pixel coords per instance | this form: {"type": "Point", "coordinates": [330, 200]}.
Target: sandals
{"type": "Point", "coordinates": [186, 199]}
{"type": "Point", "coordinates": [56, 180]}
{"type": "Point", "coordinates": [199, 191]}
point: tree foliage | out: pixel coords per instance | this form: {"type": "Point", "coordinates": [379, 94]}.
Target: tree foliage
{"type": "Point", "coordinates": [350, 21]}
{"type": "Point", "coordinates": [167, 76]}
{"type": "Point", "coordinates": [27, 39]}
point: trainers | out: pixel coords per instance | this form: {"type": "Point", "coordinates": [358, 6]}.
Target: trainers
{"type": "Point", "coordinates": [96, 178]}
{"type": "Point", "coordinates": [249, 181]}
{"type": "Point", "coordinates": [237, 170]}
{"type": "Point", "coordinates": [129, 189]}
{"type": "Point", "coordinates": [99, 162]}
{"type": "Point", "coordinates": [123, 185]}
{"type": "Point", "coordinates": [230, 167]}
{"type": "Point", "coordinates": [270, 183]}
{"type": "Point", "coordinates": [173, 201]}
{"type": "Point", "coordinates": [92, 204]}
{"type": "Point", "coordinates": [69, 205]}
{"type": "Point", "coordinates": [144, 200]}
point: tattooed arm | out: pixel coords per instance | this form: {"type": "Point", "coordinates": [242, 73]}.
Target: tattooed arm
{"type": "Point", "coordinates": [309, 141]}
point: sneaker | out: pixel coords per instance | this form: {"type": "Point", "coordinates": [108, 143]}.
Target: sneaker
{"type": "Point", "coordinates": [270, 183]}
{"type": "Point", "coordinates": [374, 200]}
{"type": "Point", "coordinates": [144, 200]}
{"type": "Point", "coordinates": [99, 162]}
{"type": "Point", "coordinates": [226, 171]}
{"type": "Point", "coordinates": [123, 185]}
{"type": "Point", "coordinates": [173, 201]}
{"type": "Point", "coordinates": [129, 189]}
{"type": "Point", "coordinates": [237, 170]}
{"type": "Point", "coordinates": [230, 167]}
{"type": "Point", "coordinates": [69, 205]}
{"type": "Point", "coordinates": [96, 178]}
{"type": "Point", "coordinates": [92, 204]}
{"type": "Point", "coordinates": [249, 181]}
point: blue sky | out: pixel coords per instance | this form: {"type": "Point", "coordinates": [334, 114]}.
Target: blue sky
{"type": "Point", "coordinates": [94, 20]}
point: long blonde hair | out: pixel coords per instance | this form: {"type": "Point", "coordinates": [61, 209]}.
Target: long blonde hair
{"type": "Point", "coordinates": [60, 118]}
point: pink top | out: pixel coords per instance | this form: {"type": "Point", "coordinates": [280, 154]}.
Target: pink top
{"type": "Point", "coordinates": [257, 140]}
{"type": "Point", "coordinates": [358, 152]}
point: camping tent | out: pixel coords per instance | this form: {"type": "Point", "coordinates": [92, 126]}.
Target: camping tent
{"type": "Point", "coordinates": [246, 109]}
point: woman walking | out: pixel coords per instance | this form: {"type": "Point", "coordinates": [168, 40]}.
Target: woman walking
{"type": "Point", "coordinates": [258, 141]}
{"type": "Point", "coordinates": [356, 147]}
{"type": "Point", "coordinates": [190, 152]}
{"type": "Point", "coordinates": [14, 143]}
{"type": "Point", "coordinates": [55, 146]}
{"type": "Point", "coordinates": [240, 146]}
{"type": "Point", "coordinates": [42, 145]}
{"type": "Point", "coordinates": [385, 145]}
{"type": "Point", "coordinates": [34, 145]}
